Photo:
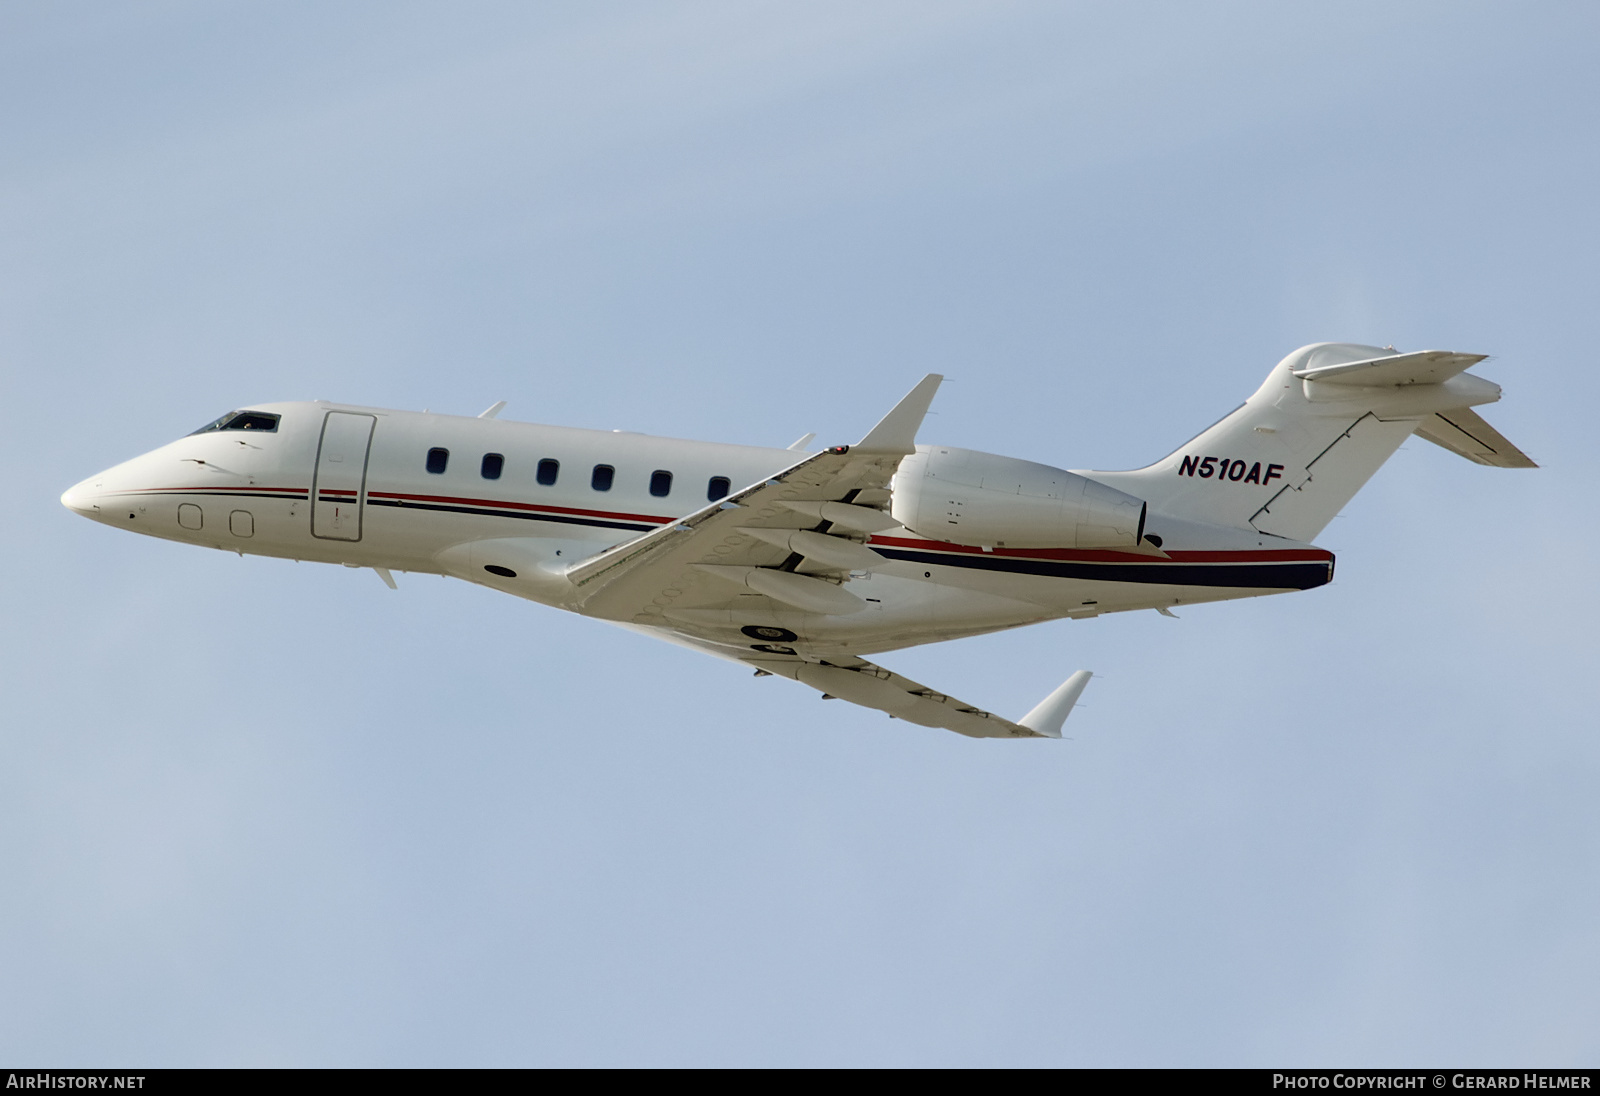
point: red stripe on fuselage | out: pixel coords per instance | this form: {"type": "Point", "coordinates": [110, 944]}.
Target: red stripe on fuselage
{"type": "Point", "coordinates": [452, 500]}
{"type": "Point", "coordinates": [448, 500]}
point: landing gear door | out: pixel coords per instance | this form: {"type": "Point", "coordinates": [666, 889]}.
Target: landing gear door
{"type": "Point", "coordinates": [339, 485]}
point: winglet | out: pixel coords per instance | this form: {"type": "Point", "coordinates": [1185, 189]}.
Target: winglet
{"type": "Point", "coordinates": [1052, 711]}
{"type": "Point", "coordinates": [897, 432]}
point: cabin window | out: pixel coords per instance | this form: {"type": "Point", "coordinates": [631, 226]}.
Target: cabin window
{"type": "Point", "coordinates": [660, 483]}
{"type": "Point", "coordinates": [603, 475]}
{"type": "Point", "coordinates": [493, 464]}
{"type": "Point", "coordinates": [437, 460]}
{"type": "Point", "coordinates": [548, 470]}
{"type": "Point", "coordinates": [717, 488]}
{"type": "Point", "coordinates": [259, 421]}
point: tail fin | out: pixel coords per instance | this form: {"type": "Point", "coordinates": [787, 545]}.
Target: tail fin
{"type": "Point", "coordinates": [1322, 423]}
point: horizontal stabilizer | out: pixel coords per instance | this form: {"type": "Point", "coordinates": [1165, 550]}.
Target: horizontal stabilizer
{"type": "Point", "coordinates": [1394, 370]}
{"type": "Point", "coordinates": [1465, 433]}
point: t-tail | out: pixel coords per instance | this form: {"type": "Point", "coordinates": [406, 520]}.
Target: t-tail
{"type": "Point", "coordinates": [1324, 421]}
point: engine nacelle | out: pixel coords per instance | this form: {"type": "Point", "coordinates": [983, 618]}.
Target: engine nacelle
{"type": "Point", "coordinates": [966, 497]}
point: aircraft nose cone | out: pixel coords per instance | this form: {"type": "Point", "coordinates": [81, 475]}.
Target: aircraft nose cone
{"type": "Point", "coordinates": [78, 499]}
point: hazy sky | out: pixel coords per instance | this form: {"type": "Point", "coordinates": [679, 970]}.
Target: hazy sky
{"type": "Point", "coordinates": [260, 813]}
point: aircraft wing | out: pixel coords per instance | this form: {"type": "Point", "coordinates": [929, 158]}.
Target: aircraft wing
{"type": "Point", "coordinates": [794, 538]}
{"type": "Point", "coordinates": [846, 677]}
{"type": "Point", "coordinates": [872, 686]}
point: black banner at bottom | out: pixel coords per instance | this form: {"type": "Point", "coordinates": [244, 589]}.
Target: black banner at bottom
{"type": "Point", "coordinates": [14, 1081]}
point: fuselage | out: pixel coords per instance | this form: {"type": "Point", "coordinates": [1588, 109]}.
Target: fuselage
{"type": "Point", "coordinates": [416, 492]}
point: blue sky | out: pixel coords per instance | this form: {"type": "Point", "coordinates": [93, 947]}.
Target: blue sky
{"type": "Point", "coordinates": [266, 813]}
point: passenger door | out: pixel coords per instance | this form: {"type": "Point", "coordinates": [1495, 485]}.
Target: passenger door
{"type": "Point", "coordinates": [339, 484]}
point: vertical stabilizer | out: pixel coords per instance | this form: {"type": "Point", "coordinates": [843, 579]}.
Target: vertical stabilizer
{"type": "Point", "coordinates": [1322, 423]}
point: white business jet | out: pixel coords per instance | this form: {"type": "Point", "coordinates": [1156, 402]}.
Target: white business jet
{"type": "Point", "coordinates": [800, 563]}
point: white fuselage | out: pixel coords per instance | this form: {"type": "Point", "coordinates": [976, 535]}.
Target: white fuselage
{"type": "Point", "coordinates": [352, 485]}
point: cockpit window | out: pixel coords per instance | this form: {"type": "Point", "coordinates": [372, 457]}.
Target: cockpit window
{"type": "Point", "coordinates": [259, 421]}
